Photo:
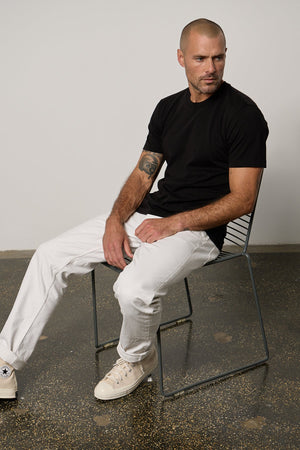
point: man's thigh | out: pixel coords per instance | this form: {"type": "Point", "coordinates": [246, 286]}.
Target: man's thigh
{"type": "Point", "coordinates": [81, 244]}
{"type": "Point", "coordinates": [156, 266]}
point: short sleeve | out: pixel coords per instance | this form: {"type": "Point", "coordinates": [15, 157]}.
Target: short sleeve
{"type": "Point", "coordinates": [155, 128]}
{"type": "Point", "coordinates": [247, 135]}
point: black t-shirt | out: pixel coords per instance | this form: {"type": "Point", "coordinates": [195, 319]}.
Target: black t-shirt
{"type": "Point", "coordinates": [199, 142]}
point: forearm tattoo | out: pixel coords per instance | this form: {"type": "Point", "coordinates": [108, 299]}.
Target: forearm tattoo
{"type": "Point", "coordinates": [149, 164]}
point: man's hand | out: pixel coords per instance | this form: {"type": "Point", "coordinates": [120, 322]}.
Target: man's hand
{"type": "Point", "coordinates": [152, 230]}
{"type": "Point", "coordinates": [115, 240]}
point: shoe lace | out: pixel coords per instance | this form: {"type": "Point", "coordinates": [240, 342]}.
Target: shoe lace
{"type": "Point", "coordinates": [120, 370]}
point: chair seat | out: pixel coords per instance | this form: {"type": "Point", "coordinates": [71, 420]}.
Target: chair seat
{"type": "Point", "coordinates": [224, 256]}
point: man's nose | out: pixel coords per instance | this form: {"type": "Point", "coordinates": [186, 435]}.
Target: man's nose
{"type": "Point", "coordinates": [210, 66]}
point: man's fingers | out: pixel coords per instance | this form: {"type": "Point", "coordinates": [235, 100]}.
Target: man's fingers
{"type": "Point", "coordinates": [148, 231]}
{"type": "Point", "coordinates": [116, 261]}
{"type": "Point", "coordinates": [152, 230]}
{"type": "Point", "coordinates": [142, 231]}
{"type": "Point", "coordinates": [127, 248]}
{"type": "Point", "coordinates": [114, 254]}
{"type": "Point", "coordinates": [115, 241]}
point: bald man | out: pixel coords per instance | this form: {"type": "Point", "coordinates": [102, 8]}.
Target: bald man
{"type": "Point", "coordinates": [213, 139]}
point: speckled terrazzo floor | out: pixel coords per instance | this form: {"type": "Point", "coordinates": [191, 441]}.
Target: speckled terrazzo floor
{"type": "Point", "coordinates": [259, 409]}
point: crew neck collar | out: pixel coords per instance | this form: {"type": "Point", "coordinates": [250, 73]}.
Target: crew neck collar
{"type": "Point", "coordinates": [202, 104]}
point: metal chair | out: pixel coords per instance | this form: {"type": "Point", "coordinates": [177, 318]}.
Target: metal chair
{"type": "Point", "coordinates": [237, 236]}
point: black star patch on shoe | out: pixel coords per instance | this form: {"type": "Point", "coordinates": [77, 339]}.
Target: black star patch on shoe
{"type": "Point", "coordinates": [5, 372]}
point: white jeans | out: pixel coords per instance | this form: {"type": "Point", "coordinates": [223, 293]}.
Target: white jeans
{"type": "Point", "coordinates": [139, 287]}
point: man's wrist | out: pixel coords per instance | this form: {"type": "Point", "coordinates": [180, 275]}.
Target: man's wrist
{"type": "Point", "coordinates": [115, 218]}
{"type": "Point", "coordinates": [180, 222]}
{"type": "Point", "coordinates": [187, 221]}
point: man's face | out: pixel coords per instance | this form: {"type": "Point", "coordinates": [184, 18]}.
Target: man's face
{"type": "Point", "coordinates": [203, 58]}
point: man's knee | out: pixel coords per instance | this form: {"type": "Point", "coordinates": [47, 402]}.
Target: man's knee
{"type": "Point", "coordinates": [134, 295]}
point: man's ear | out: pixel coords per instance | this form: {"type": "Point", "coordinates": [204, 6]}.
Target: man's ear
{"type": "Point", "coordinates": [180, 57]}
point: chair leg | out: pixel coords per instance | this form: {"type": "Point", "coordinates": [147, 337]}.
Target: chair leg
{"type": "Point", "coordinates": [102, 345]}
{"type": "Point", "coordinates": [258, 308]}
{"type": "Point", "coordinates": [224, 374]}
{"type": "Point", "coordinates": [186, 316]}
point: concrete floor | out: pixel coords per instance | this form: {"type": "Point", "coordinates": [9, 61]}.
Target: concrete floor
{"type": "Point", "coordinates": [258, 409]}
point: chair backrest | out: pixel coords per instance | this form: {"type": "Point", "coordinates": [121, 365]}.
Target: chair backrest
{"type": "Point", "coordinates": [238, 233]}
{"type": "Point", "coordinates": [239, 230]}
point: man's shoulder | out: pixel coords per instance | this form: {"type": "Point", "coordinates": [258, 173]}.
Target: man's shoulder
{"type": "Point", "coordinates": [240, 112]}
{"type": "Point", "coordinates": [172, 99]}
{"type": "Point", "coordinates": [237, 98]}
{"type": "Point", "coordinates": [175, 96]}
{"type": "Point", "coordinates": [170, 103]}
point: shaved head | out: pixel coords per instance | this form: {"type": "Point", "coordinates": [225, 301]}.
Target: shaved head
{"type": "Point", "coordinates": [202, 26]}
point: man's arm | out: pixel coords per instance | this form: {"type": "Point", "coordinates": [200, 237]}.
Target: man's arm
{"type": "Point", "coordinates": [131, 195]}
{"type": "Point", "coordinates": [243, 183]}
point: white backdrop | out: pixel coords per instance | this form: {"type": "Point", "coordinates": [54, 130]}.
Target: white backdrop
{"type": "Point", "coordinates": [79, 80]}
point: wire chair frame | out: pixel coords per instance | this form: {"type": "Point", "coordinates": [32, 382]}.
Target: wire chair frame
{"type": "Point", "coordinates": [237, 237]}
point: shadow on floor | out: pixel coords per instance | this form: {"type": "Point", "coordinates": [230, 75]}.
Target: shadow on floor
{"type": "Point", "coordinates": [259, 409]}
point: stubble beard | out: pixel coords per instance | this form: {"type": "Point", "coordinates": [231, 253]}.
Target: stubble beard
{"type": "Point", "coordinates": [208, 89]}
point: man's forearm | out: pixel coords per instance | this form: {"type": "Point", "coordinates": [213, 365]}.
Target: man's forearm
{"type": "Point", "coordinates": [115, 239]}
{"type": "Point", "coordinates": [201, 219]}
{"type": "Point", "coordinates": [215, 214]}
{"type": "Point", "coordinates": [243, 184]}
{"type": "Point", "coordinates": [130, 197]}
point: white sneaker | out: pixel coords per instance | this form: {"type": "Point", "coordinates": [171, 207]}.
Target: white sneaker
{"type": "Point", "coordinates": [125, 377]}
{"type": "Point", "coordinates": [8, 381]}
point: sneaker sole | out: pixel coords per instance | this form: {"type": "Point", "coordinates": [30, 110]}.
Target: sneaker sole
{"type": "Point", "coordinates": [8, 394]}
{"type": "Point", "coordinates": [129, 390]}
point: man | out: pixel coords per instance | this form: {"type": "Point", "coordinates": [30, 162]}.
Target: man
{"type": "Point", "coordinates": [213, 140]}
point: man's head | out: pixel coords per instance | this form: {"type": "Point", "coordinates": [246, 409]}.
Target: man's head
{"type": "Point", "coordinates": [202, 53]}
